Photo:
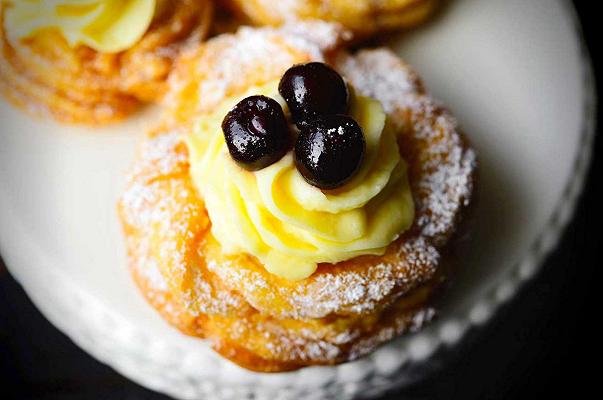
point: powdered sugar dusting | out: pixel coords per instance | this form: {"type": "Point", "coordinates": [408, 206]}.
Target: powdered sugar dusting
{"type": "Point", "coordinates": [356, 290]}
{"type": "Point", "coordinates": [229, 64]}
{"type": "Point", "coordinates": [161, 199]}
{"type": "Point", "coordinates": [442, 165]}
{"type": "Point", "coordinates": [380, 74]}
{"type": "Point", "coordinates": [344, 310]}
{"type": "Point", "coordinates": [441, 175]}
{"type": "Point", "coordinates": [315, 37]}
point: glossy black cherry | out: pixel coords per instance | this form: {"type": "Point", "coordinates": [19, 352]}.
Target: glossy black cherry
{"type": "Point", "coordinates": [329, 151]}
{"type": "Point", "coordinates": [312, 90]}
{"type": "Point", "coordinates": [256, 132]}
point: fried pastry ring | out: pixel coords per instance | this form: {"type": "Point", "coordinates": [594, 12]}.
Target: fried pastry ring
{"type": "Point", "coordinates": [343, 311]}
{"type": "Point", "coordinates": [363, 17]}
{"type": "Point", "coordinates": [44, 75]}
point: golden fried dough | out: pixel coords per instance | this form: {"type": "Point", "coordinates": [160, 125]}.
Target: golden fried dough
{"type": "Point", "coordinates": [229, 64]}
{"type": "Point", "coordinates": [363, 17]}
{"type": "Point", "coordinates": [344, 310]}
{"type": "Point", "coordinates": [44, 75]}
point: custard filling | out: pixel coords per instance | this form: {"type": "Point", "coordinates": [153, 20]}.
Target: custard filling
{"type": "Point", "coordinates": [289, 225]}
{"type": "Point", "coordinates": [108, 26]}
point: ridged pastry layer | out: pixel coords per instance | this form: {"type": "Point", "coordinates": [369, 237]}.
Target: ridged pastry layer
{"type": "Point", "coordinates": [44, 75]}
{"type": "Point", "coordinates": [344, 310]}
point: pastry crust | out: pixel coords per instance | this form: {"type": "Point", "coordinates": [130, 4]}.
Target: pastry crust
{"type": "Point", "coordinates": [363, 17]}
{"type": "Point", "coordinates": [44, 75]}
{"type": "Point", "coordinates": [344, 310]}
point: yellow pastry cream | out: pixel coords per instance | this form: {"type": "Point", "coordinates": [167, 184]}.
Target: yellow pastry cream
{"type": "Point", "coordinates": [286, 223]}
{"type": "Point", "coordinates": [108, 26]}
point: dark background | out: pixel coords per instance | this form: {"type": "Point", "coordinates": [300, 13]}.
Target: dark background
{"type": "Point", "coordinates": [546, 342]}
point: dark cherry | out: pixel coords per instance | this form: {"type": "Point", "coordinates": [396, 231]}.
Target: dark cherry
{"type": "Point", "coordinates": [256, 132]}
{"type": "Point", "coordinates": [313, 90]}
{"type": "Point", "coordinates": [329, 151]}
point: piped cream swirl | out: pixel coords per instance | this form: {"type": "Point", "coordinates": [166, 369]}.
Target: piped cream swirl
{"type": "Point", "coordinates": [289, 225]}
{"type": "Point", "coordinates": [105, 25]}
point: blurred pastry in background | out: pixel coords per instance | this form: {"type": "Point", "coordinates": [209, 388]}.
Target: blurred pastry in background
{"type": "Point", "coordinates": [363, 17]}
{"type": "Point", "coordinates": [94, 61]}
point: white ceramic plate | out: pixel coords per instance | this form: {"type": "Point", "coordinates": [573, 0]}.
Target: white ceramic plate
{"type": "Point", "coordinates": [514, 73]}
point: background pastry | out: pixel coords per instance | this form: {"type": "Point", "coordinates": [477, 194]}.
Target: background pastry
{"type": "Point", "coordinates": [261, 319]}
{"type": "Point", "coordinates": [363, 17]}
{"type": "Point", "coordinates": [94, 61]}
